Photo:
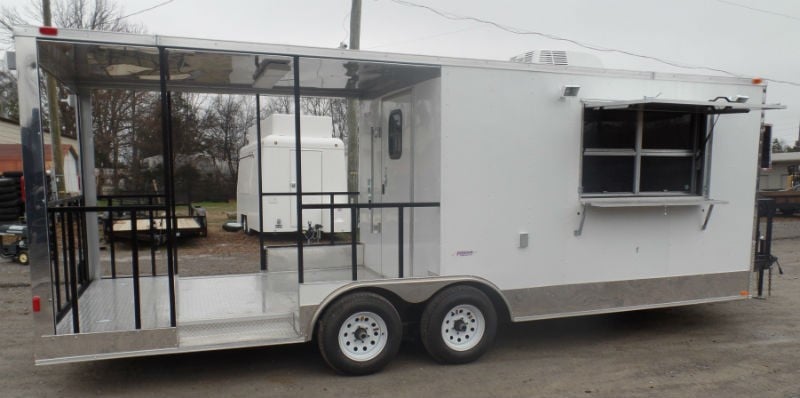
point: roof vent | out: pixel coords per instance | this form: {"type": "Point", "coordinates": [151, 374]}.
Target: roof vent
{"type": "Point", "coordinates": [558, 57]}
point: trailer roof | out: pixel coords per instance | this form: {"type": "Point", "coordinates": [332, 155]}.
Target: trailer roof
{"type": "Point", "coordinates": [97, 59]}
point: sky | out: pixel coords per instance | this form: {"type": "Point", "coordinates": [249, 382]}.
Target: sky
{"type": "Point", "coordinates": [750, 38]}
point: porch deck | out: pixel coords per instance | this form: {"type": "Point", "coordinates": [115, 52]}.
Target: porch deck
{"type": "Point", "coordinates": [211, 309]}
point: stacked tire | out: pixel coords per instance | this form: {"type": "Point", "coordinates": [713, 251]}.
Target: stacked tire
{"type": "Point", "coordinates": [11, 205]}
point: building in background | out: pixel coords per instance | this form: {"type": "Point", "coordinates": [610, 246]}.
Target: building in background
{"type": "Point", "coordinates": [784, 166]}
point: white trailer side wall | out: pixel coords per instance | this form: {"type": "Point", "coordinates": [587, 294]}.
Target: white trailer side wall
{"type": "Point", "coordinates": [511, 156]}
{"type": "Point", "coordinates": [426, 141]}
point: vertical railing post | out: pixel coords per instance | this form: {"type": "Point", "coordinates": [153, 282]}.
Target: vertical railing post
{"type": "Point", "coordinates": [111, 248]}
{"type": "Point", "coordinates": [298, 168]}
{"type": "Point", "coordinates": [332, 229]}
{"type": "Point", "coordinates": [261, 251]}
{"type": "Point", "coordinates": [137, 311]}
{"type": "Point", "coordinates": [54, 257]}
{"type": "Point", "coordinates": [73, 277]}
{"type": "Point", "coordinates": [169, 196]}
{"type": "Point", "coordinates": [153, 242]}
{"type": "Point", "coordinates": [64, 248]}
{"type": "Point", "coordinates": [353, 239]}
{"type": "Point", "coordinates": [400, 241]}
{"type": "Point", "coordinates": [83, 269]}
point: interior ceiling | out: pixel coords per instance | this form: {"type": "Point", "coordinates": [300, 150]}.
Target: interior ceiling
{"type": "Point", "coordinates": [116, 66]}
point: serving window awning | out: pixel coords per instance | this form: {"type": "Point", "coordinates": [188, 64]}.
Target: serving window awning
{"type": "Point", "coordinates": [720, 106]}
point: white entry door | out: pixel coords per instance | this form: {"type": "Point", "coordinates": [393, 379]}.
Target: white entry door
{"type": "Point", "coordinates": [394, 179]}
{"type": "Point", "coordinates": [312, 182]}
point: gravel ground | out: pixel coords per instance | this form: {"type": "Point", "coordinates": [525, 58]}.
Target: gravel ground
{"type": "Point", "coordinates": [735, 349]}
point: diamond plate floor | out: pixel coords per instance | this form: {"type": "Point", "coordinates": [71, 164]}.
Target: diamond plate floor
{"type": "Point", "coordinates": [258, 299]}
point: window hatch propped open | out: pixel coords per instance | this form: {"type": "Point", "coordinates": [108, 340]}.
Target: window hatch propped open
{"type": "Point", "coordinates": [721, 106]}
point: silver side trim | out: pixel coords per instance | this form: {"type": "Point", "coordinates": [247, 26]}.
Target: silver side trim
{"type": "Point", "coordinates": [67, 347]}
{"type": "Point", "coordinates": [605, 297]}
{"type": "Point", "coordinates": [631, 308]}
{"type": "Point", "coordinates": [166, 351]}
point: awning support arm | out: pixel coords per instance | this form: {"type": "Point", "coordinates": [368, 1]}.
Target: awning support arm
{"type": "Point", "coordinates": [579, 231]}
{"type": "Point", "coordinates": [708, 216]}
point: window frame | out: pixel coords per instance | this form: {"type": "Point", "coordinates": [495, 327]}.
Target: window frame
{"type": "Point", "coordinates": [700, 153]}
{"type": "Point", "coordinates": [395, 137]}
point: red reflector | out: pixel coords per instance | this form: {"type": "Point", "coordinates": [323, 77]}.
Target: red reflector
{"type": "Point", "coordinates": [48, 30]}
{"type": "Point", "coordinates": [37, 304]}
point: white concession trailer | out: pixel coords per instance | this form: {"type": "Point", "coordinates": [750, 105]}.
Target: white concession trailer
{"type": "Point", "coordinates": [488, 191]}
{"type": "Point", "coordinates": [324, 171]}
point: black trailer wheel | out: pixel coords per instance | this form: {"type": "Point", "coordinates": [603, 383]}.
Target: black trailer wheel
{"type": "Point", "coordinates": [359, 334]}
{"type": "Point", "coordinates": [458, 325]}
{"type": "Point", "coordinates": [23, 258]}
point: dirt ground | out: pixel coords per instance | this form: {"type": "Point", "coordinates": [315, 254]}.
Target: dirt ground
{"type": "Point", "coordinates": [735, 349]}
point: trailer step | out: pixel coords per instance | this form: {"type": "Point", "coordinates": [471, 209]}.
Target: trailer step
{"type": "Point", "coordinates": [237, 331]}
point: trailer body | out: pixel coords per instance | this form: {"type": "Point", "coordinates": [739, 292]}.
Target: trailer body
{"type": "Point", "coordinates": [485, 188]}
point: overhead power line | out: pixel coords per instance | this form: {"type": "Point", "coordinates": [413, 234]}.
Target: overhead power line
{"type": "Point", "coordinates": [146, 9]}
{"type": "Point", "coordinates": [519, 31]}
{"type": "Point", "coordinates": [761, 10]}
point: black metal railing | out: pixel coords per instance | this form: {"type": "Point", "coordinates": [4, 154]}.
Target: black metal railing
{"type": "Point", "coordinates": [764, 259]}
{"type": "Point", "coordinates": [68, 257]}
{"type": "Point", "coordinates": [110, 217]}
{"type": "Point", "coordinates": [155, 233]}
{"type": "Point", "coordinates": [330, 195]}
{"type": "Point", "coordinates": [354, 207]}
{"type": "Point", "coordinates": [69, 251]}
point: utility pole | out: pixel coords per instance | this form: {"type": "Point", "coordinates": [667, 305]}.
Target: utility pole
{"type": "Point", "coordinates": [55, 116]}
{"type": "Point", "coordinates": [352, 104]}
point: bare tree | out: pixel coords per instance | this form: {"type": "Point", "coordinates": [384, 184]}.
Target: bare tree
{"type": "Point", "coordinates": [74, 14]}
{"type": "Point", "coordinates": [228, 118]}
{"type": "Point", "coordinates": [336, 108]}
{"type": "Point", "coordinates": [113, 112]}
{"type": "Point", "coordinates": [9, 106]}
{"type": "Point", "coordinates": [279, 104]}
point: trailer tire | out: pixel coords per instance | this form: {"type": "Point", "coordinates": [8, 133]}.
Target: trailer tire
{"type": "Point", "coordinates": [458, 325]}
{"type": "Point", "coordinates": [9, 211]}
{"type": "Point", "coordinates": [9, 189]}
{"type": "Point", "coordinates": [4, 204]}
{"type": "Point", "coordinates": [6, 196]}
{"type": "Point", "coordinates": [23, 258]}
{"type": "Point", "coordinates": [360, 334]}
